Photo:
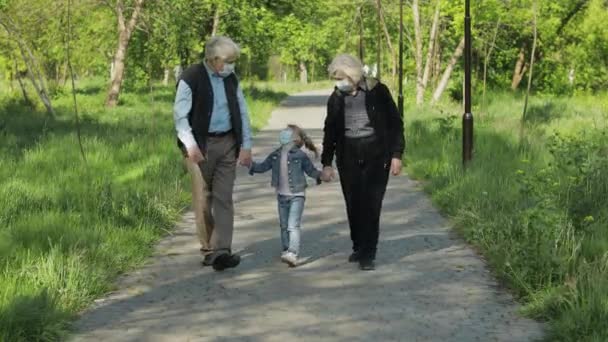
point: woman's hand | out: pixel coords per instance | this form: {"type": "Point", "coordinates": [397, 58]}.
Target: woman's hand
{"type": "Point", "coordinates": [396, 166]}
{"type": "Point", "coordinates": [328, 174]}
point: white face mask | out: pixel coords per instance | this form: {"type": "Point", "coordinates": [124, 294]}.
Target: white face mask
{"type": "Point", "coordinates": [228, 69]}
{"type": "Point", "coordinates": [345, 86]}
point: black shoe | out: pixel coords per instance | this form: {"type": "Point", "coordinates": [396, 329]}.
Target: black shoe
{"type": "Point", "coordinates": [367, 265]}
{"type": "Point", "coordinates": [225, 261]}
{"type": "Point", "coordinates": [354, 257]}
{"type": "Point", "coordinates": [207, 261]}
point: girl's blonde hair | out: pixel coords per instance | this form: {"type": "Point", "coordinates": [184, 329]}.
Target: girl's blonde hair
{"type": "Point", "coordinates": [304, 139]}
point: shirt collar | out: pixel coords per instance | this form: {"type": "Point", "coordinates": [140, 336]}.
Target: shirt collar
{"type": "Point", "coordinates": [362, 85]}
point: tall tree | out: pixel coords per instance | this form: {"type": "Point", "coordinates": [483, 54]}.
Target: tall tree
{"type": "Point", "coordinates": [125, 31]}
{"type": "Point", "coordinates": [71, 69]}
{"type": "Point", "coordinates": [535, 27]}
{"type": "Point", "coordinates": [387, 36]}
{"type": "Point", "coordinates": [418, 52]}
{"type": "Point", "coordinates": [448, 72]}
{"type": "Point", "coordinates": [432, 44]}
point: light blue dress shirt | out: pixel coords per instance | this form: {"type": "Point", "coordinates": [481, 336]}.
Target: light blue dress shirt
{"type": "Point", "coordinates": [220, 116]}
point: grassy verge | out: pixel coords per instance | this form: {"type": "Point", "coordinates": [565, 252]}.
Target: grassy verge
{"type": "Point", "coordinates": [68, 228]}
{"type": "Point", "coordinates": [536, 207]}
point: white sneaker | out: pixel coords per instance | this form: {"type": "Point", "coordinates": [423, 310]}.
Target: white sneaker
{"type": "Point", "coordinates": [290, 259]}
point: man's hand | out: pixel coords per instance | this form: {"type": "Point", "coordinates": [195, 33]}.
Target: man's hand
{"type": "Point", "coordinates": [328, 174]}
{"type": "Point", "coordinates": [396, 166]}
{"type": "Point", "coordinates": [195, 155]}
{"type": "Point", "coordinates": [245, 158]}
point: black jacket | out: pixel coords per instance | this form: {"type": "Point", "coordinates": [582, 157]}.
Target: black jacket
{"type": "Point", "coordinates": [384, 118]}
{"type": "Point", "coordinates": [199, 117]}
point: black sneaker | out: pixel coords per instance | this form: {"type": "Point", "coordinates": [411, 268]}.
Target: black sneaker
{"type": "Point", "coordinates": [207, 261]}
{"type": "Point", "coordinates": [225, 261]}
{"type": "Point", "coordinates": [367, 265]}
{"type": "Point", "coordinates": [354, 257]}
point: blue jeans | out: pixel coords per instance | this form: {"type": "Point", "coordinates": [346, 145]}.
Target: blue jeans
{"type": "Point", "coordinates": [290, 219]}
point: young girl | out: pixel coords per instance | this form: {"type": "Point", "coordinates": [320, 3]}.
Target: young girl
{"type": "Point", "coordinates": [289, 164]}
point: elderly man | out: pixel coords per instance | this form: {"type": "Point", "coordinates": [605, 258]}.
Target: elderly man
{"type": "Point", "coordinates": [213, 128]}
{"type": "Point", "coordinates": [364, 130]}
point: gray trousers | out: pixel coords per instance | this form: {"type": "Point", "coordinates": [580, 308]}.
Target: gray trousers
{"type": "Point", "coordinates": [212, 188]}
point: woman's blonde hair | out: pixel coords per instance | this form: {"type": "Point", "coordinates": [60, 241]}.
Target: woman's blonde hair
{"type": "Point", "coordinates": [346, 65]}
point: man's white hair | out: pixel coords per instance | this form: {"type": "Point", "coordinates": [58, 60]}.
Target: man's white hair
{"type": "Point", "coordinates": [346, 65]}
{"type": "Point", "coordinates": [221, 47]}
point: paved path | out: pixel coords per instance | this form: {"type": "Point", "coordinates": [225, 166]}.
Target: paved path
{"type": "Point", "coordinates": [429, 285]}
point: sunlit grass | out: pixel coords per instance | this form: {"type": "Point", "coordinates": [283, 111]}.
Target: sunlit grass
{"type": "Point", "coordinates": [68, 228]}
{"type": "Point", "coordinates": [537, 208]}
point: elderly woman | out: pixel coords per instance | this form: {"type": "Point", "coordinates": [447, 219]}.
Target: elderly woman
{"type": "Point", "coordinates": [213, 128]}
{"type": "Point", "coordinates": [364, 130]}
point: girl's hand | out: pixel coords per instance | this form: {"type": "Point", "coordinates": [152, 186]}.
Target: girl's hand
{"type": "Point", "coordinates": [396, 166]}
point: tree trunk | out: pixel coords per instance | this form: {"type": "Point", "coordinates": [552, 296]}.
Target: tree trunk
{"type": "Point", "coordinates": [432, 44]}
{"type": "Point", "coordinates": [18, 75]}
{"type": "Point", "coordinates": [64, 74]}
{"type": "Point", "coordinates": [34, 72]}
{"type": "Point", "coordinates": [387, 36]}
{"type": "Point", "coordinates": [571, 76]}
{"type": "Point", "coordinates": [448, 72]}
{"type": "Point", "coordinates": [437, 62]}
{"type": "Point", "coordinates": [361, 29]}
{"type": "Point", "coordinates": [379, 48]}
{"type": "Point", "coordinates": [125, 31]}
{"type": "Point", "coordinates": [69, 63]}
{"type": "Point", "coordinates": [303, 73]}
{"type": "Point", "coordinates": [418, 53]}
{"type": "Point", "coordinates": [520, 70]}
{"type": "Point", "coordinates": [486, 60]}
{"type": "Point", "coordinates": [26, 98]}
{"type": "Point", "coordinates": [35, 76]}
{"type": "Point", "coordinates": [216, 21]}
{"type": "Point", "coordinates": [523, 117]}
{"type": "Point", "coordinates": [166, 77]}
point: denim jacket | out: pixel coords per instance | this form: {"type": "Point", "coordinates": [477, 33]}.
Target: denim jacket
{"type": "Point", "coordinates": [298, 165]}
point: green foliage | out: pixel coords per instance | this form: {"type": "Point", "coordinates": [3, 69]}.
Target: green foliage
{"type": "Point", "coordinates": [537, 209]}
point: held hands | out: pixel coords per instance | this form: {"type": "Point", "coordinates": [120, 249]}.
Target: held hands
{"type": "Point", "coordinates": [245, 158]}
{"type": "Point", "coordinates": [328, 174]}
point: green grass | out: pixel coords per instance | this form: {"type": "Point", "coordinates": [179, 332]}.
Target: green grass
{"type": "Point", "coordinates": [68, 228]}
{"type": "Point", "coordinates": [537, 208]}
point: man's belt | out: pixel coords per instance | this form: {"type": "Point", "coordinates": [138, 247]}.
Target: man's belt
{"type": "Point", "coordinates": [219, 134]}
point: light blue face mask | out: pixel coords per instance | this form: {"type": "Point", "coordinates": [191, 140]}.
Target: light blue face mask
{"type": "Point", "coordinates": [286, 136]}
{"type": "Point", "coordinates": [228, 69]}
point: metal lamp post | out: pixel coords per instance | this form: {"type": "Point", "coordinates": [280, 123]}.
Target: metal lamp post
{"type": "Point", "coordinates": [467, 119]}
